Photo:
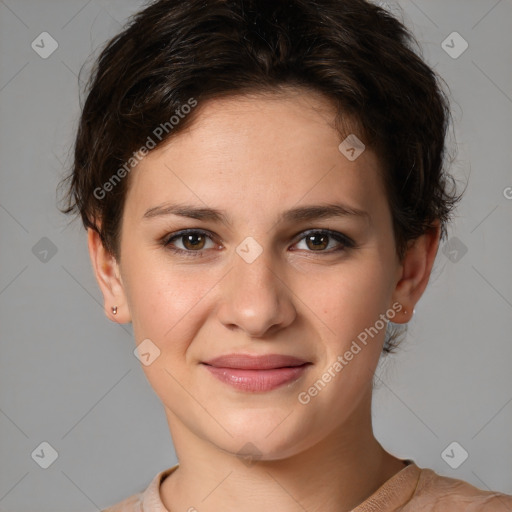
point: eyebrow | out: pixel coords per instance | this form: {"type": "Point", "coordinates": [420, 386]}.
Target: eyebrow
{"type": "Point", "coordinates": [299, 214]}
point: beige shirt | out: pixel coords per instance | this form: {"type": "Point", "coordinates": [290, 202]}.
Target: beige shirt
{"type": "Point", "coordinates": [411, 489]}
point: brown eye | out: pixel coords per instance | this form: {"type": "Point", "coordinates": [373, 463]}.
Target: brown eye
{"type": "Point", "coordinates": [317, 242]}
{"type": "Point", "coordinates": [193, 241]}
{"type": "Point", "coordinates": [189, 243]}
{"type": "Point", "coordinates": [323, 241]}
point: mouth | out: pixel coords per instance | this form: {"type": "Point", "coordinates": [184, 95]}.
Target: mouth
{"type": "Point", "coordinates": [257, 373]}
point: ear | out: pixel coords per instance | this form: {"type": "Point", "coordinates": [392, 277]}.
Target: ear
{"type": "Point", "coordinates": [106, 270]}
{"type": "Point", "coordinates": [415, 270]}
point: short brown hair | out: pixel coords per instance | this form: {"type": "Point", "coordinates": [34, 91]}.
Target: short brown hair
{"type": "Point", "coordinates": [355, 53]}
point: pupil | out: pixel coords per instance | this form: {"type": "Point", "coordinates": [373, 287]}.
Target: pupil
{"type": "Point", "coordinates": [321, 240]}
{"type": "Point", "coordinates": [191, 241]}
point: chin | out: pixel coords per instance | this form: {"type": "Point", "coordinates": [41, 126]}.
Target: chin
{"type": "Point", "coordinates": [265, 440]}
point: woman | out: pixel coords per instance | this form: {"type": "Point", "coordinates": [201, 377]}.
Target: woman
{"type": "Point", "coordinates": [264, 190]}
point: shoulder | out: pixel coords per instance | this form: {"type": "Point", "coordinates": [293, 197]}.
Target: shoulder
{"type": "Point", "coordinates": [147, 500]}
{"type": "Point", "coordinates": [131, 504]}
{"type": "Point", "coordinates": [436, 493]}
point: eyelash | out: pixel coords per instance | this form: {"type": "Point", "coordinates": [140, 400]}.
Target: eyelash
{"type": "Point", "coordinates": [345, 241]}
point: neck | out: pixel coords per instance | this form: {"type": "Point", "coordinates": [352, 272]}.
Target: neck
{"type": "Point", "coordinates": [336, 474]}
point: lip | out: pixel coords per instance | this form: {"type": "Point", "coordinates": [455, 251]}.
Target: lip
{"type": "Point", "coordinates": [256, 373]}
{"type": "Point", "coordinates": [250, 362]}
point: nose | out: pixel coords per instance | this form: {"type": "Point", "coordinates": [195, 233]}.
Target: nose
{"type": "Point", "coordinates": [255, 298]}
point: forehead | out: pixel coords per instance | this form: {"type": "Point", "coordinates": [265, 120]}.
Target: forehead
{"type": "Point", "coordinates": [273, 149]}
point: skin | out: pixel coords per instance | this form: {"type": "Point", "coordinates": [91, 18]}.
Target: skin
{"type": "Point", "coordinates": [255, 157]}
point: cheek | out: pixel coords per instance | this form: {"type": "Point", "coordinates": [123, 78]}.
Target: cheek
{"type": "Point", "coordinates": [165, 300]}
{"type": "Point", "coordinates": [172, 312]}
{"type": "Point", "coordinates": [168, 305]}
{"type": "Point", "coordinates": [170, 302]}
{"type": "Point", "coordinates": [349, 301]}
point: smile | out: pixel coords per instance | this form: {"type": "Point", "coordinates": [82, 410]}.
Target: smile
{"type": "Point", "coordinates": [257, 380]}
{"type": "Point", "coordinates": [256, 373]}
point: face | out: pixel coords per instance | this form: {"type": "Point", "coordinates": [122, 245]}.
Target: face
{"type": "Point", "coordinates": [288, 250]}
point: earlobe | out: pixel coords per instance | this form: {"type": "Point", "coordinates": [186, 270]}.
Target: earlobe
{"type": "Point", "coordinates": [416, 270]}
{"type": "Point", "coordinates": [106, 270]}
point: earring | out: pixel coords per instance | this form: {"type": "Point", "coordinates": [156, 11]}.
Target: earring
{"type": "Point", "coordinates": [114, 310]}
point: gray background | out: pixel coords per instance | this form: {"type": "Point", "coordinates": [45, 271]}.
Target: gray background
{"type": "Point", "coordinates": [68, 375]}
